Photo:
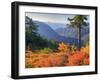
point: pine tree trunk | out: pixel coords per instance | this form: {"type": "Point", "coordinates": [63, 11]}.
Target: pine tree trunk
{"type": "Point", "coordinates": [79, 37]}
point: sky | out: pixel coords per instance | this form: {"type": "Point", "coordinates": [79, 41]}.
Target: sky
{"type": "Point", "coordinates": [50, 17]}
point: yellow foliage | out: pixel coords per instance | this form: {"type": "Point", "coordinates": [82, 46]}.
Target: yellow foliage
{"type": "Point", "coordinates": [66, 55]}
{"type": "Point", "coordinates": [85, 49]}
{"type": "Point", "coordinates": [63, 47]}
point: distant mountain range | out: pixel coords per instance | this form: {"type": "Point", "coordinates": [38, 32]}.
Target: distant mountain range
{"type": "Point", "coordinates": [56, 25]}
{"type": "Point", "coordinates": [68, 31]}
{"type": "Point", "coordinates": [66, 35]}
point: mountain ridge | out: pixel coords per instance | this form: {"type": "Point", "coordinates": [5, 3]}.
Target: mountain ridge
{"type": "Point", "coordinates": [46, 31]}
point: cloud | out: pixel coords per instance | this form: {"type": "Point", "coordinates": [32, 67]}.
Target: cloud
{"type": "Point", "coordinates": [49, 17]}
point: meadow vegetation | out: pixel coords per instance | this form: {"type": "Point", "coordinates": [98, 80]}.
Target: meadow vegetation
{"type": "Point", "coordinates": [43, 52]}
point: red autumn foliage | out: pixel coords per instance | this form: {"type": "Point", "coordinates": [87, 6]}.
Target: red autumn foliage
{"type": "Point", "coordinates": [64, 57]}
{"type": "Point", "coordinates": [76, 59]}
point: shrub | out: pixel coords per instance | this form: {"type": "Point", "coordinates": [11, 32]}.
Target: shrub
{"type": "Point", "coordinates": [73, 48]}
{"type": "Point", "coordinates": [76, 59]}
{"type": "Point", "coordinates": [46, 57]}
{"type": "Point", "coordinates": [85, 49]}
{"type": "Point", "coordinates": [63, 47]}
{"type": "Point", "coordinates": [46, 50]}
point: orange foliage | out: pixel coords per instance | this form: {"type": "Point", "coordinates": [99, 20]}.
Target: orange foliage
{"type": "Point", "coordinates": [60, 58]}
{"type": "Point", "coordinates": [79, 57]}
{"type": "Point", "coordinates": [76, 59]}
{"type": "Point", "coordinates": [63, 47]}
